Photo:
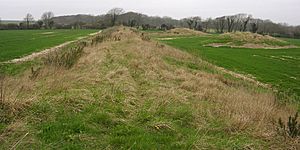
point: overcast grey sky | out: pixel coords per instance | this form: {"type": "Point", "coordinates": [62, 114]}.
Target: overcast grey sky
{"type": "Point", "coordinates": [277, 10]}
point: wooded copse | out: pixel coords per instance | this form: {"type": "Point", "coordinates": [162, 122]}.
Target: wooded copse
{"type": "Point", "coordinates": [117, 16]}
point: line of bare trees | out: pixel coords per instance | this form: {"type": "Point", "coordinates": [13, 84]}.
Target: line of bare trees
{"type": "Point", "coordinates": [117, 16]}
{"type": "Point", "coordinates": [246, 23]}
{"type": "Point", "coordinates": [239, 22]}
{"type": "Point", "coordinates": [233, 23]}
{"type": "Point", "coordinates": [29, 22]}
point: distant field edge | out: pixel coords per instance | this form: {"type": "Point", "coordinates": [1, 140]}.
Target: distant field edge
{"type": "Point", "coordinates": [23, 45]}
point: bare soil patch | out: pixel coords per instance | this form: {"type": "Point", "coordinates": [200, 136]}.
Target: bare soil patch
{"type": "Point", "coordinates": [185, 31]}
{"type": "Point", "coordinates": [46, 33]}
{"type": "Point", "coordinates": [251, 46]}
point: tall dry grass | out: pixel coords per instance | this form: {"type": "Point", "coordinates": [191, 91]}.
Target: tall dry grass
{"type": "Point", "coordinates": [245, 109]}
{"type": "Point", "coordinates": [121, 60]}
{"type": "Point", "coordinates": [2, 94]}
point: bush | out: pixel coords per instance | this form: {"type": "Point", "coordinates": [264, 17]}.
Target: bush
{"type": "Point", "coordinates": [98, 39]}
{"type": "Point", "coordinates": [145, 37]}
{"type": "Point", "coordinates": [291, 128]}
{"type": "Point", "coordinates": [67, 57]}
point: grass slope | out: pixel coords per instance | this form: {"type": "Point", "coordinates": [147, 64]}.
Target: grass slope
{"type": "Point", "coordinates": [131, 93]}
{"type": "Point", "coordinates": [17, 43]}
{"type": "Point", "coordinates": [279, 67]}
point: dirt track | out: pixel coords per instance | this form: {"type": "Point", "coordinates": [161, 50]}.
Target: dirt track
{"type": "Point", "coordinates": [243, 77]}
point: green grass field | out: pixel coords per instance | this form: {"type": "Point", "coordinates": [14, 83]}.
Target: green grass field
{"type": "Point", "coordinates": [11, 21]}
{"type": "Point", "coordinates": [17, 43]}
{"type": "Point", "coordinates": [280, 67]}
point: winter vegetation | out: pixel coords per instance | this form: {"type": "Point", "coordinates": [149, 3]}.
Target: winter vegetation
{"type": "Point", "coordinates": [117, 16]}
{"type": "Point", "coordinates": [125, 80]}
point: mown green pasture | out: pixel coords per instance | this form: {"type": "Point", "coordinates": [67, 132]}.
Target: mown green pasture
{"type": "Point", "coordinates": [278, 67]}
{"type": "Point", "coordinates": [18, 43]}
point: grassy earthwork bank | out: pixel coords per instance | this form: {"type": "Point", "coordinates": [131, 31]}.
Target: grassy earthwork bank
{"type": "Point", "coordinates": [122, 90]}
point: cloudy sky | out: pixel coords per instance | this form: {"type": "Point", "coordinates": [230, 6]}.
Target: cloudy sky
{"type": "Point", "coordinates": [277, 10]}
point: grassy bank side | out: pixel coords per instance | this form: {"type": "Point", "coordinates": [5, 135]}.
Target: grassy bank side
{"type": "Point", "coordinates": [276, 67]}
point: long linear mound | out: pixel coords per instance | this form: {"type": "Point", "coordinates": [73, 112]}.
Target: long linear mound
{"type": "Point", "coordinates": [129, 92]}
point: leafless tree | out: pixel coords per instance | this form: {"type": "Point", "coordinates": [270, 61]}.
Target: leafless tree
{"type": "Point", "coordinates": [207, 24]}
{"type": "Point", "coordinates": [245, 21]}
{"type": "Point", "coordinates": [297, 32]}
{"type": "Point", "coordinates": [114, 14]}
{"type": "Point", "coordinates": [47, 19]}
{"type": "Point", "coordinates": [231, 20]}
{"type": "Point", "coordinates": [132, 22]}
{"type": "Point", "coordinates": [190, 22]}
{"type": "Point", "coordinates": [139, 19]}
{"type": "Point", "coordinates": [220, 24]}
{"type": "Point", "coordinates": [28, 19]}
{"type": "Point", "coordinates": [265, 26]}
{"type": "Point", "coordinates": [241, 22]}
{"type": "Point", "coordinates": [193, 22]}
{"type": "Point", "coordinates": [51, 24]}
{"type": "Point", "coordinates": [197, 23]}
{"type": "Point", "coordinates": [132, 19]}
{"type": "Point", "coordinates": [254, 25]}
{"type": "Point", "coordinates": [40, 23]}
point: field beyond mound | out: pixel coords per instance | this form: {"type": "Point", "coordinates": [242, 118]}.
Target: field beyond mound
{"type": "Point", "coordinates": [121, 90]}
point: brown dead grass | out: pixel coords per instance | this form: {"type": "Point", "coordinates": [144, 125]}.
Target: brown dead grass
{"type": "Point", "coordinates": [252, 40]}
{"type": "Point", "coordinates": [246, 109]}
{"type": "Point", "coordinates": [252, 37]}
{"type": "Point", "coordinates": [136, 67]}
{"type": "Point", "coordinates": [177, 32]}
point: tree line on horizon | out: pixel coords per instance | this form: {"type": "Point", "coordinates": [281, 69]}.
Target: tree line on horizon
{"type": "Point", "coordinates": [45, 22]}
{"type": "Point", "coordinates": [117, 16]}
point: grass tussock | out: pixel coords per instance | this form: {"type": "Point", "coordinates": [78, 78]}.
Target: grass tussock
{"type": "Point", "coordinates": [128, 93]}
{"type": "Point", "coordinates": [66, 57]}
{"type": "Point", "coordinates": [177, 32]}
{"type": "Point", "coordinates": [252, 37]}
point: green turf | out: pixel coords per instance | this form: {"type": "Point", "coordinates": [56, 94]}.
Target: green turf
{"type": "Point", "coordinates": [280, 68]}
{"type": "Point", "coordinates": [10, 21]}
{"type": "Point", "coordinates": [17, 43]}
